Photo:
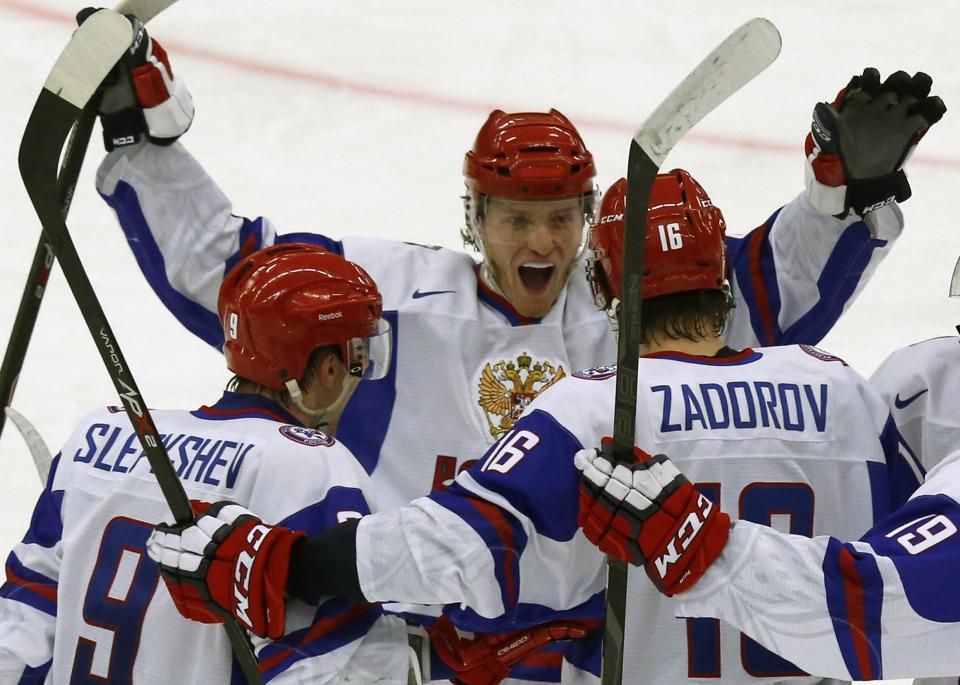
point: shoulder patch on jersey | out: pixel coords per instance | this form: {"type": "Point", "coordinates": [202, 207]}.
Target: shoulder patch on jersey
{"type": "Point", "coordinates": [306, 436]}
{"type": "Point", "coordinates": [597, 373]}
{"type": "Point", "coordinates": [821, 355]}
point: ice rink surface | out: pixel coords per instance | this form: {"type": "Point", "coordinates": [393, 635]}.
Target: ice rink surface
{"type": "Point", "coordinates": [352, 117]}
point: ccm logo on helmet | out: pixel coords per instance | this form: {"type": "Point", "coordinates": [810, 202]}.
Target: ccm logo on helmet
{"type": "Point", "coordinates": [610, 218]}
{"type": "Point", "coordinates": [241, 573]}
{"type": "Point", "coordinates": [685, 534]}
{"type": "Point", "coordinates": [327, 317]}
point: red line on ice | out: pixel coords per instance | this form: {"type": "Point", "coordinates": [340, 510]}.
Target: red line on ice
{"type": "Point", "coordinates": [333, 82]}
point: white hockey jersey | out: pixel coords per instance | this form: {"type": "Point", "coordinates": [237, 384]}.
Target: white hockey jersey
{"type": "Point", "coordinates": [789, 437]}
{"type": "Point", "coordinates": [82, 603]}
{"type": "Point", "coordinates": [466, 364]}
{"type": "Point", "coordinates": [919, 383]}
{"type": "Point", "coordinates": [886, 606]}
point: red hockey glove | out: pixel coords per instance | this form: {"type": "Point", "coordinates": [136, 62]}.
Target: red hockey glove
{"type": "Point", "coordinates": [227, 564]}
{"type": "Point", "coordinates": [141, 96]}
{"type": "Point", "coordinates": [858, 145]}
{"type": "Point", "coordinates": [644, 511]}
{"type": "Point", "coordinates": [487, 659]}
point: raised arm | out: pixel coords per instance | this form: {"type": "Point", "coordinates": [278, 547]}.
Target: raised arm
{"type": "Point", "coordinates": [796, 274]}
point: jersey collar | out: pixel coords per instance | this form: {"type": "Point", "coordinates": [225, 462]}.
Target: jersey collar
{"type": "Point", "coordinates": [239, 405]}
{"type": "Point", "coordinates": [489, 296]}
{"type": "Point", "coordinates": [725, 356]}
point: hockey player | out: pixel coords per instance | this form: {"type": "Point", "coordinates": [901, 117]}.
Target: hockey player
{"type": "Point", "coordinates": [81, 604]}
{"type": "Point", "coordinates": [475, 344]}
{"type": "Point", "coordinates": [885, 606]}
{"type": "Point", "coordinates": [919, 384]}
{"type": "Point", "coordinates": [768, 428]}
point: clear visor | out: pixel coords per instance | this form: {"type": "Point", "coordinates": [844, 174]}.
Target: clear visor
{"type": "Point", "coordinates": [370, 357]}
{"type": "Point", "coordinates": [517, 222]}
{"type": "Point", "coordinates": [955, 281]}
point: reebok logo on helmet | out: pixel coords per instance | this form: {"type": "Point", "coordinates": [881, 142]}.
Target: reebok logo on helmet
{"type": "Point", "coordinates": [328, 317]}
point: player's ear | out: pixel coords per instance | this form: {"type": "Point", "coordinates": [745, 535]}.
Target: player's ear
{"type": "Point", "coordinates": [330, 371]}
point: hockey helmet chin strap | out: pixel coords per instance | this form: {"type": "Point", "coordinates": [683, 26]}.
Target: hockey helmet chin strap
{"type": "Point", "coordinates": [320, 416]}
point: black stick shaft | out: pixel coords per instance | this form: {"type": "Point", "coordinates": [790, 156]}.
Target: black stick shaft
{"type": "Point", "coordinates": [43, 261]}
{"type": "Point", "coordinates": [641, 173]}
{"type": "Point", "coordinates": [46, 130]}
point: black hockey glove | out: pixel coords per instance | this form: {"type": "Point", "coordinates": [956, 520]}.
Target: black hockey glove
{"type": "Point", "coordinates": [141, 97]}
{"type": "Point", "coordinates": [858, 145]}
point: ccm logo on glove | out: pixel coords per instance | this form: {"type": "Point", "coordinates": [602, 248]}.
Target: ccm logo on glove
{"type": "Point", "coordinates": [241, 574]}
{"type": "Point", "coordinates": [691, 526]}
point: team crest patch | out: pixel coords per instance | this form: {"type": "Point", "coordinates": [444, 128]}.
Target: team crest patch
{"type": "Point", "coordinates": [306, 436]}
{"type": "Point", "coordinates": [820, 354]}
{"type": "Point", "coordinates": [599, 373]}
{"type": "Point", "coordinates": [507, 387]}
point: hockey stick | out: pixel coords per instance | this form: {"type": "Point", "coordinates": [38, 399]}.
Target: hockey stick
{"type": "Point", "coordinates": [736, 61]}
{"type": "Point", "coordinates": [82, 66]}
{"type": "Point", "coordinates": [43, 258]}
{"type": "Point", "coordinates": [42, 457]}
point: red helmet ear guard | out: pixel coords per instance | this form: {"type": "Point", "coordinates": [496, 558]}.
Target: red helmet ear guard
{"type": "Point", "coordinates": [529, 156]}
{"type": "Point", "coordinates": [281, 303]}
{"type": "Point", "coordinates": [685, 247]}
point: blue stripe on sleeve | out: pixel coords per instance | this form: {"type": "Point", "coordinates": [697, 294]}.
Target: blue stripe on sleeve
{"type": "Point", "coordinates": [199, 321]}
{"type": "Point", "coordinates": [366, 418]}
{"type": "Point", "coordinates": [854, 589]}
{"type": "Point", "coordinates": [337, 622]}
{"type": "Point", "coordinates": [500, 530]}
{"type": "Point", "coordinates": [836, 285]}
{"type": "Point", "coordinates": [524, 615]}
{"type": "Point", "coordinates": [751, 259]}
{"type": "Point", "coordinates": [29, 587]}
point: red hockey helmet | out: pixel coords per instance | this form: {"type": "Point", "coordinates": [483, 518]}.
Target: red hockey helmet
{"type": "Point", "coordinates": [529, 156]}
{"type": "Point", "coordinates": [685, 240]}
{"type": "Point", "coordinates": [281, 303]}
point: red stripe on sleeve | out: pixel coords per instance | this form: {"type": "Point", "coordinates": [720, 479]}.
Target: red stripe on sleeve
{"type": "Point", "coordinates": [501, 525]}
{"type": "Point", "coordinates": [316, 631]}
{"type": "Point", "coordinates": [45, 591]}
{"type": "Point", "coordinates": [759, 287]}
{"type": "Point", "coordinates": [853, 593]}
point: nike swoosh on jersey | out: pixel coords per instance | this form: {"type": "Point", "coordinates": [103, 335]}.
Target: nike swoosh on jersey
{"type": "Point", "coordinates": [427, 293]}
{"type": "Point", "coordinates": [900, 404]}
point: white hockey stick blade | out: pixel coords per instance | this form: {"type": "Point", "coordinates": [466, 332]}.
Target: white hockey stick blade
{"type": "Point", "coordinates": [42, 458]}
{"type": "Point", "coordinates": [89, 56]}
{"type": "Point", "coordinates": [745, 53]}
{"type": "Point", "coordinates": [955, 280]}
{"type": "Point", "coordinates": [144, 10]}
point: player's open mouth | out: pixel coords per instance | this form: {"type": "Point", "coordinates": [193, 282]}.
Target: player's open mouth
{"type": "Point", "coordinates": [536, 276]}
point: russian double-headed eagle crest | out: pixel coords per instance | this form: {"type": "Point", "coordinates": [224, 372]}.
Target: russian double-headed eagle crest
{"type": "Point", "coordinates": [507, 387]}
